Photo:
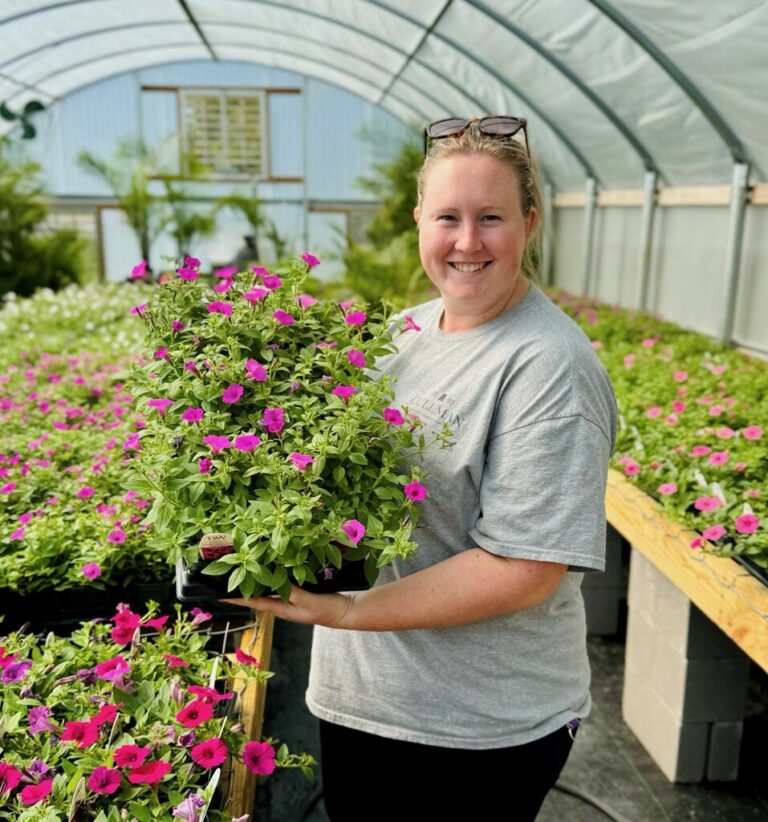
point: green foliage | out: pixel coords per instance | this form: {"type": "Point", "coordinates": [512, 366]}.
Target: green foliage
{"type": "Point", "coordinates": [31, 258]}
{"type": "Point", "coordinates": [286, 521]}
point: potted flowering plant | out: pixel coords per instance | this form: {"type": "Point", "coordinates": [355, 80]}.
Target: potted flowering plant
{"type": "Point", "coordinates": [266, 423]}
{"type": "Point", "coordinates": [123, 721]}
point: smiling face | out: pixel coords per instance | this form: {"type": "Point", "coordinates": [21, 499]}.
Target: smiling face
{"type": "Point", "coordinates": [472, 235]}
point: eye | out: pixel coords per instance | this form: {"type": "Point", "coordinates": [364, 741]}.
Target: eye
{"type": "Point", "coordinates": [446, 217]}
{"type": "Point", "coordinates": [489, 217]}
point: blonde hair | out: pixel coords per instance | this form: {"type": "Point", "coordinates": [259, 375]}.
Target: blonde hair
{"type": "Point", "coordinates": [514, 154]}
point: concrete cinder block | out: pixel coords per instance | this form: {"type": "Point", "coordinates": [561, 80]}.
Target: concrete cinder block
{"type": "Point", "coordinates": [724, 749]}
{"type": "Point", "coordinates": [640, 591]}
{"type": "Point", "coordinates": [678, 748]}
{"type": "Point", "coordinates": [639, 647]}
{"type": "Point", "coordinates": [716, 689]}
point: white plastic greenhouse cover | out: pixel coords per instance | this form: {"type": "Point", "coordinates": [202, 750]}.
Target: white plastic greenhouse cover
{"type": "Point", "coordinates": [612, 88]}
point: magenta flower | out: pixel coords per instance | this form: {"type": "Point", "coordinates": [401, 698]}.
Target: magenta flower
{"type": "Point", "coordinates": [188, 274]}
{"type": "Point", "coordinates": [210, 753]}
{"type": "Point", "coordinates": [259, 758]}
{"type": "Point", "coordinates": [354, 530]}
{"type": "Point", "coordinates": [747, 523]}
{"type": "Point", "coordinates": [91, 570]}
{"type": "Point", "coordinates": [631, 467]}
{"type": "Point", "coordinates": [415, 491]}
{"type": "Point", "coordinates": [9, 777]}
{"type": "Point", "coordinates": [217, 443]}
{"type": "Point", "coordinates": [259, 271]}
{"type": "Point", "coordinates": [355, 318]}
{"type": "Point", "coordinates": [654, 411]}
{"type": "Point", "coordinates": [32, 794]}
{"type": "Point", "coordinates": [305, 300]}
{"type": "Point", "coordinates": [39, 720]}
{"type": "Point", "coordinates": [310, 259]}
{"type": "Point", "coordinates": [199, 616]}
{"type": "Point", "coordinates": [696, 543]}
{"type": "Point", "coordinates": [255, 371]}
{"type": "Point", "coordinates": [218, 307]}
{"type": "Point", "coordinates": [700, 450]}
{"type": "Point", "coordinates": [300, 461]}
{"type": "Point", "coordinates": [149, 774]}
{"type": "Point", "coordinates": [393, 416]}
{"type": "Point", "coordinates": [111, 669]}
{"type": "Point", "coordinates": [246, 659]}
{"type": "Point", "coordinates": [226, 273]}
{"type": "Point", "coordinates": [209, 695]}
{"type": "Point", "coordinates": [160, 404]}
{"type": "Point", "coordinates": [273, 420]}
{"type": "Point", "coordinates": [161, 353]}
{"type": "Point", "coordinates": [680, 376]}
{"type": "Point", "coordinates": [116, 536]}
{"type": "Point", "coordinates": [83, 733]}
{"type": "Point", "coordinates": [232, 394]}
{"type": "Point", "coordinates": [175, 661]}
{"type": "Point", "coordinates": [204, 466]}
{"type": "Point", "coordinates": [247, 442]}
{"type": "Point", "coordinates": [7, 488]}
{"type": "Point", "coordinates": [106, 714]}
{"type": "Point", "coordinates": [194, 714]}
{"type": "Point", "coordinates": [344, 391]}
{"type": "Point", "coordinates": [139, 309]}
{"type": "Point", "coordinates": [223, 286]}
{"type": "Point", "coordinates": [713, 533]}
{"type": "Point", "coordinates": [271, 282]}
{"type": "Point", "coordinates": [16, 671]}
{"type": "Point", "coordinates": [718, 458]}
{"type": "Point", "coordinates": [104, 780]}
{"type": "Point", "coordinates": [283, 317]}
{"type": "Point", "coordinates": [356, 358]}
{"type": "Point", "coordinates": [670, 419]}
{"type": "Point", "coordinates": [132, 443]}
{"type": "Point", "coordinates": [17, 534]}
{"type": "Point", "coordinates": [667, 489]}
{"type": "Point", "coordinates": [255, 294]}
{"type": "Point", "coordinates": [192, 415]}
{"type": "Point", "coordinates": [725, 433]}
{"type": "Point", "coordinates": [410, 325]}
{"type": "Point", "coordinates": [129, 756]}
{"type": "Point", "coordinates": [191, 262]}
{"type": "Point", "coordinates": [752, 432]}
{"type": "Point", "coordinates": [706, 503]}
{"type": "Point", "coordinates": [85, 492]}
{"type": "Point", "coordinates": [139, 271]}
{"type": "Point", "coordinates": [177, 325]}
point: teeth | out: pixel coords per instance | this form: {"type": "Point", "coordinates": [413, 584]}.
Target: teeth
{"type": "Point", "coordinates": [467, 268]}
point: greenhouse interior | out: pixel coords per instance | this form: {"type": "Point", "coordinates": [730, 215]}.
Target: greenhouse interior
{"type": "Point", "coordinates": [290, 293]}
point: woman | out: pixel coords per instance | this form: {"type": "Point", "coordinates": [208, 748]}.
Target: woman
{"type": "Point", "coordinates": [460, 678]}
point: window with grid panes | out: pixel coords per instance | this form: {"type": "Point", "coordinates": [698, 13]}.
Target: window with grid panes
{"type": "Point", "coordinates": [223, 131]}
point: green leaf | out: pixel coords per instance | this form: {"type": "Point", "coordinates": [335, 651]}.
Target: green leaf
{"type": "Point", "coordinates": [358, 459]}
{"type": "Point", "coordinates": [140, 811]}
{"type": "Point", "coordinates": [238, 575]}
{"type": "Point", "coordinates": [279, 577]}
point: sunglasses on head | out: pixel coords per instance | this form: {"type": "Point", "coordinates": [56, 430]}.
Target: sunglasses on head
{"type": "Point", "coordinates": [499, 127]}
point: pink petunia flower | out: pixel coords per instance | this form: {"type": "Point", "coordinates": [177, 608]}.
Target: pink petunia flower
{"type": "Point", "coordinates": [393, 416]}
{"type": "Point", "coordinates": [706, 503]}
{"type": "Point", "coordinates": [255, 371]}
{"type": "Point", "coordinates": [7, 488]}
{"type": "Point", "coordinates": [139, 271]}
{"type": "Point", "coordinates": [752, 432]}
{"type": "Point", "coordinates": [209, 695]}
{"type": "Point", "coordinates": [246, 659]}
{"type": "Point", "coordinates": [718, 458]}
{"type": "Point", "coordinates": [716, 410]}
{"type": "Point", "coordinates": [129, 756]}
{"type": "Point", "coordinates": [259, 758]}
{"type": "Point", "coordinates": [696, 543]}
{"type": "Point", "coordinates": [32, 794]}
{"type": "Point", "coordinates": [191, 262]}
{"type": "Point", "coordinates": [283, 317]}
{"type": "Point", "coordinates": [199, 616]}
{"type": "Point", "coordinates": [354, 530]}
{"type": "Point", "coordinates": [680, 376]}
{"type": "Point", "coordinates": [747, 523]}
{"type": "Point", "coordinates": [194, 714]}
{"type": "Point", "coordinates": [415, 491]}
{"type": "Point", "coordinates": [667, 489]}
{"type": "Point", "coordinates": [273, 420]}
{"type": "Point", "coordinates": [223, 286]}
{"type": "Point", "coordinates": [15, 671]}
{"type": "Point", "coordinates": [83, 733]}
{"type": "Point", "coordinates": [310, 260]}
{"type": "Point", "coordinates": [629, 360]}
{"type": "Point", "coordinates": [85, 492]}
{"type": "Point", "coordinates": [175, 661]}
{"type": "Point", "coordinates": [218, 307]}
{"type": "Point", "coordinates": [355, 318]}
{"type": "Point", "coordinates": [116, 536]}
{"type": "Point", "coordinates": [725, 433]}
{"type": "Point", "coordinates": [139, 309]}
{"type": "Point", "coordinates": [356, 358]}
{"type": "Point", "coordinates": [17, 534]}
{"type": "Point", "coordinates": [39, 721]}
{"type": "Point", "coordinates": [678, 406]}
{"type": "Point", "coordinates": [160, 405]}
{"type": "Point", "coordinates": [259, 271]}
{"type": "Point", "coordinates": [210, 753]}
{"type": "Point", "coordinates": [91, 570]}
{"type": "Point", "coordinates": [700, 450]}
{"type": "Point", "coordinates": [255, 294]}
{"type": "Point", "coordinates": [9, 777]}
{"type": "Point", "coordinates": [410, 325]}
{"type": "Point", "coordinates": [247, 442]}
{"type": "Point", "coordinates": [344, 391]}
{"type": "Point", "coordinates": [300, 461]}
{"type": "Point", "coordinates": [232, 394]}
{"type": "Point", "coordinates": [649, 342]}
{"type": "Point", "coordinates": [177, 325]}
{"type": "Point", "coordinates": [654, 411]}
{"type": "Point", "coordinates": [713, 533]}
{"type": "Point", "coordinates": [306, 300]}
{"type": "Point", "coordinates": [112, 668]}
{"type": "Point", "coordinates": [157, 623]}
{"type": "Point", "coordinates": [161, 353]}
{"type": "Point", "coordinates": [671, 419]}
{"type": "Point", "coordinates": [104, 780]}
{"type": "Point", "coordinates": [216, 443]}
{"type": "Point", "coordinates": [149, 774]}
{"type": "Point", "coordinates": [631, 467]}
{"type": "Point", "coordinates": [271, 282]}
{"type": "Point", "coordinates": [204, 465]}
{"type": "Point", "coordinates": [193, 415]}
{"type": "Point", "coordinates": [106, 713]}
{"type": "Point", "coordinates": [187, 274]}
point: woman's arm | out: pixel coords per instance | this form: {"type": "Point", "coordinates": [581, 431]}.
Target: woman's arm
{"type": "Point", "coordinates": [467, 587]}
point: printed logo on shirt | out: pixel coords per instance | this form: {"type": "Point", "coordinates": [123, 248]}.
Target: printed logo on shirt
{"type": "Point", "coordinates": [438, 407]}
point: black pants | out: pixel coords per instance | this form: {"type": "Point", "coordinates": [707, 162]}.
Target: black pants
{"type": "Point", "coordinates": [369, 778]}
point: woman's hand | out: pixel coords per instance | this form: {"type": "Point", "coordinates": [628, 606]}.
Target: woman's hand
{"type": "Point", "coordinates": [330, 610]}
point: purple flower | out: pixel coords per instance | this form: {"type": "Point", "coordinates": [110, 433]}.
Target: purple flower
{"type": "Point", "coordinates": [300, 461]}
{"type": "Point", "coordinates": [204, 466]}
{"type": "Point", "coordinates": [199, 616]}
{"type": "Point", "coordinates": [273, 420]}
{"type": "Point", "coordinates": [271, 282]}
{"type": "Point", "coordinates": [218, 307]}
{"type": "Point", "coordinates": [187, 740]}
{"type": "Point", "coordinates": [410, 325]}
{"type": "Point", "coordinates": [91, 570]}
{"type": "Point", "coordinates": [192, 415]}
{"type": "Point", "coordinates": [415, 491]}
{"type": "Point", "coordinates": [232, 394]}
{"type": "Point", "coordinates": [393, 416]}
{"type": "Point", "coordinates": [354, 530]}
{"type": "Point", "coordinates": [283, 317]}
{"type": "Point", "coordinates": [216, 443]}
{"type": "Point", "coordinates": [255, 371]}
{"type": "Point", "coordinates": [305, 300]}
{"type": "Point", "coordinates": [16, 671]}
{"type": "Point", "coordinates": [344, 391]}
{"type": "Point", "coordinates": [188, 810]}
{"type": "Point", "coordinates": [255, 294]}
{"type": "Point", "coordinates": [355, 318]}
{"type": "Point", "coordinates": [160, 405]}
{"type": "Point", "coordinates": [39, 720]}
{"type": "Point", "coordinates": [356, 358]}
{"type": "Point", "coordinates": [247, 442]}
{"type": "Point", "coordinates": [177, 325]}
{"type": "Point", "coordinates": [310, 260]}
{"type": "Point", "coordinates": [37, 769]}
{"type": "Point", "coordinates": [191, 262]}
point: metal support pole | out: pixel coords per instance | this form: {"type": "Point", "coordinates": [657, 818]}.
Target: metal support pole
{"type": "Point", "coordinates": [305, 161]}
{"type": "Point", "coordinates": [547, 236]}
{"type": "Point", "coordinates": [646, 235]}
{"type": "Point", "coordinates": [733, 249]}
{"type": "Point", "coordinates": [590, 193]}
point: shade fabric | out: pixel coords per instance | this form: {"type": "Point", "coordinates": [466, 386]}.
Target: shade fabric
{"type": "Point", "coordinates": [612, 88]}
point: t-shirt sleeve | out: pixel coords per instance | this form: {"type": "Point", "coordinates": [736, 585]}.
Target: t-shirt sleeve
{"type": "Point", "coordinates": [542, 494]}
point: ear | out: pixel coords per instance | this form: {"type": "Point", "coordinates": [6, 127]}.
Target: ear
{"type": "Point", "coordinates": [416, 214]}
{"type": "Point", "coordinates": [530, 222]}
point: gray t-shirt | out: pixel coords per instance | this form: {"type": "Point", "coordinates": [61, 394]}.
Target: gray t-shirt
{"type": "Point", "coordinates": [533, 417]}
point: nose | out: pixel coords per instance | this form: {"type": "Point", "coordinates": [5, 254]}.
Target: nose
{"type": "Point", "coordinates": [469, 239]}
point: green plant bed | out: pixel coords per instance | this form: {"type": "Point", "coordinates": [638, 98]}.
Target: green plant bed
{"type": "Point", "coordinates": [692, 426]}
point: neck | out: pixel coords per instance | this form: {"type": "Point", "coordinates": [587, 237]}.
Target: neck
{"type": "Point", "coordinates": [454, 319]}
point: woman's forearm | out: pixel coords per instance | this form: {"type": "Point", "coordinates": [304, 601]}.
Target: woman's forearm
{"type": "Point", "coordinates": [467, 587]}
